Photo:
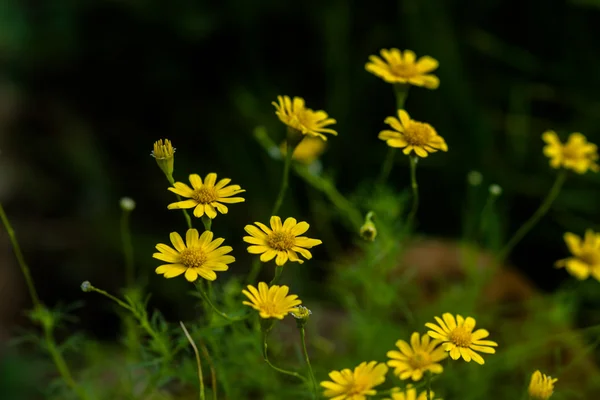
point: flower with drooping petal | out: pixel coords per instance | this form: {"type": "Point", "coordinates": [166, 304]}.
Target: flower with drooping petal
{"type": "Point", "coordinates": [413, 360]}
{"type": "Point", "coordinates": [412, 135]}
{"type": "Point", "coordinates": [206, 197]}
{"type": "Point", "coordinates": [541, 386]}
{"type": "Point", "coordinates": [411, 394]}
{"type": "Point", "coordinates": [198, 256]}
{"type": "Point", "coordinates": [281, 241]}
{"type": "Point", "coordinates": [396, 67]}
{"type": "Point", "coordinates": [458, 338]}
{"type": "Point", "coordinates": [297, 116]}
{"type": "Point", "coordinates": [355, 385]}
{"type": "Point", "coordinates": [586, 255]}
{"type": "Point", "coordinates": [577, 154]}
{"type": "Point", "coordinates": [271, 302]}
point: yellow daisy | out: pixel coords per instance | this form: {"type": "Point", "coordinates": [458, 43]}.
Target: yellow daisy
{"type": "Point", "coordinates": [396, 67]}
{"type": "Point", "coordinates": [198, 256]}
{"type": "Point", "coordinates": [309, 149]}
{"type": "Point", "coordinates": [304, 120]}
{"type": "Point", "coordinates": [207, 197]}
{"type": "Point", "coordinates": [586, 255]}
{"type": "Point", "coordinates": [410, 394]}
{"type": "Point", "coordinates": [414, 359]}
{"type": "Point", "coordinates": [541, 386]}
{"type": "Point", "coordinates": [164, 153]}
{"type": "Point", "coordinates": [412, 135]}
{"type": "Point", "coordinates": [459, 339]}
{"type": "Point", "coordinates": [577, 154]}
{"type": "Point", "coordinates": [271, 302]}
{"type": "Point", "coordinates": [280, 241]}
{"type": "Point", "coordinates": [357, 384]}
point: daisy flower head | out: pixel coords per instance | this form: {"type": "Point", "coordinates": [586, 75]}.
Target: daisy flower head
{"type": "Point", "coordinates": [458, 338]}
{"type": "Point", "coordinates": [307, 151]}
{"type": "Point", "coordinates": [296, 116]}
{"type": "Point", "coordinates": [586, 255]}
{"type": "Point", "coordinates": [423, 354]}
{"type": "Point", "coordinates": [206, 197]}
{"type": "Point", "coordinates": [198, 256]}
{"type": "Point", "coordinates": [271, 302]}
{"type": "Point", "coordinates": [541, 386]}
{"type": "Point", "coordinates": [395, 66]}
{"type": "Point", "coordinates": [577, 154]}
{"type": "Point", "coordinates": [412, 135]}
{"type": "Point", "coordinates": [280, 241]}
{"type": "Point", "coordinates": [355, 385]}
{"type": "Point", "coordinates": [410, 394]}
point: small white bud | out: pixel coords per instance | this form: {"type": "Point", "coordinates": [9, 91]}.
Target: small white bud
{"type": "Point", "coordinates": [127, 204]}
{"type": "Point", "coordinates": [495, 190]}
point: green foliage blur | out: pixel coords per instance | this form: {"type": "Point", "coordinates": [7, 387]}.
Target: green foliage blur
{"type": "Point", "coordinates": [88, 86]}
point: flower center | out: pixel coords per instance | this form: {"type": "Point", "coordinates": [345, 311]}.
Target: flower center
{"type": "Point", "coordinates": [355, 388]}
{"type": "Point", "coordinates": [281, 240]}
{"type": "Point", "coordinates": [418, 133]}
{"type": "Point", "coordinates": [205, 195]}
{"type": "Point", "coordinates": [590, 257]}
{"type": "Point", "coordinates": [419, 360]}
{"type": "Point", "coordinates": [404, 70]}
{"type": "Point", "coordinates": [192, 258]}
{"type": "Point", "coordinates": [461, 337]}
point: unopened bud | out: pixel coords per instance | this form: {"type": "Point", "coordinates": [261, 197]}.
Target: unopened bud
{"type": "Point", "coordinates": [127, 204]}
{"type": "Point", "coordinates": [368, 231]}
{"type": "Point", "coordinates": [495, 190]}
{"type": "Point", "coordinates": [86, 286]}
{"type": "Point", "coordinates": [164, 153]}
{"type": "Point", "coordinates": [301, 314]}
{"type": "Point", "coordinates": [474, 178]}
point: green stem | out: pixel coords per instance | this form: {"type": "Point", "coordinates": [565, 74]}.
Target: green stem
{"type": "Point", "coordinates": [415, 191]}
{"type": "Point", "coordinates": [428, 385]}
{"type": "Point", "coordinates": [535, 218]}
{"type": "Point", "coordinates": [310, 371]}
{"type": "Point", "coordinates": [285, 179]}
{"type": "Point", "coordinates": [280, 370]}
{"type": "Point", "coordinates": [207, 222]}
{"type": "Point", "coordinates": [198, 363]}
{"type": "Point", "coordinates": [215, 309]}
{"type": "Point", "coordinates": [278, 272]}
{"type": "Point", "coordinates": [127, 248]}
{"type": "Point", "coordinates": [254, 271]}
{"type": "Point", "coordinates": [188, 220]}
{"type": "Point", "coordinates": [20, 259]}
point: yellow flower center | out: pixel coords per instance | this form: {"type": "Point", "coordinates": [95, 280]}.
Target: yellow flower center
{"type": "Point", "coordinates": [205, 195]}
{"type": "Point", "coordinates": [460, 337]}
{"type": "Point", "coordinates": [355, 388]}
{"type": "Point", "coordinates": [590, 257]}
{"type": "Point", "coordinates": [269, 308]}
{"type": "Point", "coordinates": [418, 133]}
{"type": "Point", "coordinates": [193, 258]}
{"type": "Point", "coordinates": [404, 70]}
{"type": "Point", "coordinates": [419, 360]}
{"type": "Point", "coordinates": [281, 240]}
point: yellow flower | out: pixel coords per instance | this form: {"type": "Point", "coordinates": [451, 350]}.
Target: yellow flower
{"type": "Point", "coordinates": [280, 241]}
{"type": "Point", "coordinates": [586, 255]}
{"type": "Point", "coordinates": [412, 135]}
{"type": "Point", "coordinates": [414, 359]}
{"type": "Point", "coordinates": [459, 339]}
{"type": "Point", "coordinates": [410, 394]}
{"type": "Point", "coordinates": [541, 386]}
{"type": "Point", "coordinates": [402, 68]}
{"type": "Point", "coordinates": [197, 256]}
{"type": "Point", "coordinates": [309, 149]}
{"type": "Point", "coordinates": [577, 154]}
{"type": "Point", "coordinates": [164, 153]}
{"type": "Point", "coordinates": [271, 302]}
{"type": "Point", "coordinates": [205, 196]}
{"type": "Point", "coordinates": [304, 120]}
{"type": "Point", "coordinates": [357, 385]}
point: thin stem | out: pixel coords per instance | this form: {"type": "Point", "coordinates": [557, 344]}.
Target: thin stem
{"type": "Point", "coordinates": [284, 181]}
{"type": "Point", "coordinates": [278, 272]}
{"type": "Point", "coordinates": [428, 385]}
{"type": "Point", "coordinates": [113, 298]}
{"type": "Point", "coordinates": [254, 271]}
{"type": "Point", "coordinates": [20, 259]}
{"type": "Point", "coordinates": [213, 374]}
{"type": "Point", "coordinates": [188, 220]}
{"type": "Point", "coordinates": [198, 363]}
{"type": "Point", "coordinates": [415, 191]}
{"type": "Point", "coordinates": [305, 352]}
{"type": "Point", "coordinates": [215, 309]}
{"type": "Point", "coordinates": [207, 222]}
{"type": "Point", "coordinates": [280, 370]}
{"type": "Point", "coordinates": [535, 218]}
{"type": "Point", "coordinates": [127, 248]}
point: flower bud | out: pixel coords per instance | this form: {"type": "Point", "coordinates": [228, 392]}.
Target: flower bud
{"type": "Point", "coordinates": [474, 178]}
{"type": "Point", "coordinates": [301, 314]}
{"type": "Point", "coordinates": [495, 190]}
{"type": "Point", "coordinates": [164, 153]}
{"type": "Point", "coordinates": [86, 286]}
{"type": "Point", "coordinates": [127, 204]}
{"type": "Point", "coordinates": [368, 231]}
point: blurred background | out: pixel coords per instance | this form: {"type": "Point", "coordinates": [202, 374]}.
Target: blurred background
{"type": "Point", "coordinates": [86, 87]}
